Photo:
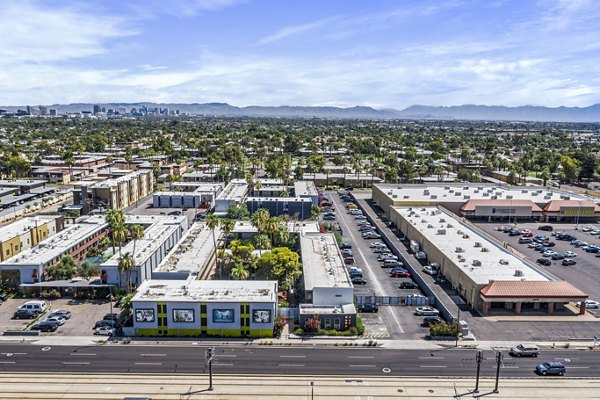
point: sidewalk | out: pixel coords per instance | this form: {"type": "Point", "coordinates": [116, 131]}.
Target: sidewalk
{"type": "Point", "coordinates": [291, 342]}
{"type": "Point", "coordinates": [232, 387]}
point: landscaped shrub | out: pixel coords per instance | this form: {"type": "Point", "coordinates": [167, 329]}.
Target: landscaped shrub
{"type": "Point", "coordinates": [443, 329]}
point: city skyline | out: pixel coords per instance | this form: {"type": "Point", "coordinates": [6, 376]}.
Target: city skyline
{"type": "Point", "coordinates": [344, 53]}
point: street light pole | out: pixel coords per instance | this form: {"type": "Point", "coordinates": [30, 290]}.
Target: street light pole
{"type": "Point", "coordinates": [210, 354]}
{"type": "Point", "coordinates": [479, 359]}
{"type": "Point", "coordinates": [312, 390]}
{"type": "Point", "coordinates": [498, 364]}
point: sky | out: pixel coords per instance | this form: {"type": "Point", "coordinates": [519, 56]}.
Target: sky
{"type": "Point", "coordinates": [378, 53]}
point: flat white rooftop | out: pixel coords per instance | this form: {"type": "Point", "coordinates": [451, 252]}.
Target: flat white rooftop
{"type": "Point", "coordinates": [293, 227]}
{"type": "Point", "coordinates": [279, 199]}
{"type": "Point", "coordinates": [58, 244]}
{"type": "Point", "coordinates": [192, 251]}
{"type": "Point", "coordinates": [125, 178]}
{"type": "Point", "coordinates": [305, 188]}
{"type": "Point", "coordinates": [219, 291]}
{"type": "Point", "coordinates": [478, 257]}
{"type": "Point", "coordinates": [235, 190]}
{"type": "Point", "coordinates": [461, 193]}
{"type": "Point", "coordinates": [23, 226]}
{"type": "Point", "coordinates": [334, 309]}
{"type": "Point", "coordinates": [322, 262]}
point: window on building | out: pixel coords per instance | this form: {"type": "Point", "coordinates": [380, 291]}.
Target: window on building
{"type": "Point", "coordinates": [327, 323]}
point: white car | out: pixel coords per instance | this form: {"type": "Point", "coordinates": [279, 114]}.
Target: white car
{"type": "Point", "coordinates": [549, 253]}
{"type": "Point", "coordinates": [376, 244]}
{"type": "Point", "coordinates": [570, 254]}
{"type": "Point", "coordinates": [426, 311]}
{"type": "Point", "coordinates": [589, 304]}
{"type": "Point", "coordinates": [595, 232]}
{"type": "Point", "coordinates": [104, 330]}
{"type": "Point", "coordinates": [428, 269]}
{"type": "Point", "coordinates": [587, 229]}
{"type": "Point", "coordinates": [57, 319]}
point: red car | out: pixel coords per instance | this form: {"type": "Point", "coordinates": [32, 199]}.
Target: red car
{"type": "Point", "coordinates": [528, 234]}
{"type": "Point", "coordinates": [349, 260]}
{"type": "Point", "coordinates": [400, 274]}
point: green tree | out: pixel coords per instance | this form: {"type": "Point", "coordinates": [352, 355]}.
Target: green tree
{"type": "Point", "coordinates": [137, 232]}
{"type": "Point", "coordinates": [570, 168]}
{"type": "Point", "coordinates": [240, 272]}
{"type": "Point", "coordinates": [66, 269]}
{"type": "Point", "coordinates": [87, 270]}
{"type": "Point", "coordinates": [125, 265]}
{"type": "Point", "coordinates": [281, 264]}
{"type": "Point", "coordinates": [259, 220]}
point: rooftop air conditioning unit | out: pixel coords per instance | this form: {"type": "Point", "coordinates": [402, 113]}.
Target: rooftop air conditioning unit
{"type": "Point", "coordinates": [406, 197]}
{"type": "Point", "coordinates": [449, 226]}
{"type": "Point", "coordinates": [459, 232]}
{"type": "Point", "coordinates": [494, 197]}
{"type": "Point", "coordinates": [433, 196]}
{"type": "Point", "coordinates": [476, 263]}
{"type": "Point", "coordinates": [484, 250]}
{"type": "Point", "coordinates": [477, 244]}
{"type": "Point", "coordinates": [509, 197]}
{"type": "Point", "coordinates": [429, 226]}
{"type": "Point", "coordinates": [426, 192]}
{"type": "Point", "coordinates": [395, 196]}
{"type": "Point", "coordinates": [518, 272]}
{"type": "Point", "coordinates": [446, 187]}
{"type": "Point", "coordinates": [466, 197]}
{"type": "Point", "coordinates": [459, 250]}
{"type": "Point", "coordinates": [441, 232]}
{"type": "Point", "coordinates": [503, 262]}
{"type": "Point", "coordinates": [465, 236]}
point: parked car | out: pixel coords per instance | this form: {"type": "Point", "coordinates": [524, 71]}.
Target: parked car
{"type": "Point", "coordinates": [540, 238]}
{"type": "Point", "coordinates": [557, 256]}
{"type": "Point", "coordinates": [525, 350]}
{"type": "Point", "coordinates": [106, 322]}
{"type": "Point", "coordinates": [548, 244]}
{"type": "Point", "coordinates": [568, 261]}
{"type": "Point", "coordinates": [376, 244]}
{"type": "Point", "coordinates": [329, 218]}
{"type": "Point", "coordinates": [527, 234]}
{"type": "Point", "coordinates": [551, 368]}
{"type": "Point", "coordinates": [587, 229]}
{"type": "Point", "coordinates": [371, 235]}
{"type": "Point", "coordinates": [355, 270]}
{"type": "Point", "coordinates": [55, 319]}
{"type": "Point", "coordinates": [544, 261]}
{"type": "Point", "coordinates": [514, 233]}
{"type": "Point", "coordinates": [23, 313]}
{"type": "Point", "coordinates": [367, 308]}
{"type": "Point", "coordinates": [570, 254]}
{"type": "Point", "coordinates": [524, 240]}
{"type": "Point", "coordinates": [423, 311]}
{"type": "Point", "coordinates": [347, 253]}
{"type": "Point", "coordinates": [408, 285]}
{"type": "Point", "coordinates": [390, 263]}
{"type": "Point", "coordinates": [45, 326]}
{"type": "Point", "coordinates": [359, 281]}
{"type": "Point", "coordinates": [589, 304]}
{"type": "Point", "coordinates": [104, 330]}
{"type": "Point", "coordinates": [34, 305]}
{"type": "Point", "coordinates": [63, 313]}
{"type": "Point", "coordinates": [549, 253]}
{"type": "Point", "coordinates": [349, 260]}
{"type": "Point", "coordinates": [420, 255]}
{"type": "Point", "coordinates": [432, 320]}
{"type": "Point", "coordinates": [345, 245]}
{"type": "Point", "coordinates": [111, 316]}
{"type": "Point", "coordinates": [429, 269]}
{"type": "Point", "coordinates": [400, 274]}
{"type": "Point", "coordinates": [546, 228]}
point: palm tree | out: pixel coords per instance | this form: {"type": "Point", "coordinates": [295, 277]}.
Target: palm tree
{"type": "Point", "coordinates": [137, 233]}
{"type": "Point", "coordinates": [240, 272]}
{"type": "Point", "coordinates": [259, 220]}
{"type": "Point", "coordinates": [125, 265]}
{"type": "Point", "coordinates": [119, 234]}
{"type": "Point", "coordinates": [114, 218]}
{"type": "Point", "coordinates": [271, 226]}
{"type": "Point", "coordinates": [212, 222]}
{"type": "Point", "coordinates": [227, 226]}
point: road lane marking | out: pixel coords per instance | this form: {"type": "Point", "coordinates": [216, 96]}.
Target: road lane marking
{"type": "Point", "coordinates": [7, 362]}
{"type": "Point", "coordinates": [432, 358]}
{"type": "Point", "coordinates": [361, 356]}
{"type": "Point", "coordinates": [362, 365]}
{"type": "Point", "coordinates": [510, 366]}
{"type": "Point", "coordinates": [147, 363]}
{"type": "Point", "coordinates": [433, 366]}
{"type": "Point", "coordinates": [75, 363]}
{"type": "Point", "coordinates": [83, 354]}
{"type": "Point", "coordinates": [226, 355]}
{"type": "Point", "coordinates": [224, 364]}
{"type": "Point", "coordinates": [153, 355]}
{"type": "Point", "coordinates": [578, 367]}
{"type": "Point", "coordinates": [291, 365]}
{"type": "Point", "coordinates": [13, 354]}
{"type": "Point", "coordinates": [292, 356]}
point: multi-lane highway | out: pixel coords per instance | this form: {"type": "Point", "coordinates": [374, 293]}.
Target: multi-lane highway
{"type": "Point", "coordinates": [282, 360]}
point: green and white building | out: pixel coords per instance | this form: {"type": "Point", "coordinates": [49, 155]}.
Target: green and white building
{"type": "Point", "coordinates": [205, 308]}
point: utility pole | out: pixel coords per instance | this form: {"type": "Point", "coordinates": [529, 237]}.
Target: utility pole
{"type": "Point", "coordinates": [498, 364]}
{"type": "Point", "coordinates": [457, 327]}
{"type": "Point", "coordinates": [208, 359]}
{"type": "Point", "coordinates": [479, 359]}
{"type": "Point", "coordinates": [312, 390]}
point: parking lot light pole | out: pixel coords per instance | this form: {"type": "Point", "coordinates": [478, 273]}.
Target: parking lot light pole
{"type": "Point", "coordinates": [479, 359]}
{"type": "Point", "coordinates": [498, 364]}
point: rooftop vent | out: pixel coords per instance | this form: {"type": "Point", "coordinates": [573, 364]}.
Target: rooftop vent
{"type": "Point", "coordinates": [433, 196]}
{"type": "Point", "coordinates": [459, 250]}
{"type": "Point", "coordinates": [465, 236]}
{"type": "Point", "coordinates": [441, 232]}
{"type": "Point", "coordinates": [518, 272]}
{"type": "Point", "coordinates": [503, 262]}
{"type": "Point", "coordinates": [476, 263]}
{"type": "Point", "coordinates": [484, 250]}
{"type": "Point", "coordinates": [477, 244]}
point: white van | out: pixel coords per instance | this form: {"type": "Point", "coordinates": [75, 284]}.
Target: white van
{"type": "Point", "coordinates": [35, 305]}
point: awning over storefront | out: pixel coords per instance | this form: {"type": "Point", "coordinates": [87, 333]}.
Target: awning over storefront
{"type": "Point", "coordinates": [531, 291]}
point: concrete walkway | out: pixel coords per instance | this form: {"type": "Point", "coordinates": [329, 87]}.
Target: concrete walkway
{"type": "Point", "coordinates": [232, 387]}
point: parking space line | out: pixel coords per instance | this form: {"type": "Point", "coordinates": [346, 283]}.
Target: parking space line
{"type": "Point", "coordinates": [83, 354]}
{"type": "Point", "coordinates": [433, 366]}
{"type": "Point", "coordinates": [148, 363]}
{"type": "Point", "coordinates": [291, 365]}
{"type": "Point", "coordinates": [362, 365]}
{"type": "Point", "coordinates": [361, 357]}
{"type": "Point", "coordinates": [432, 358]}
{"type": "Point", "coordinates": [292, 356]}
{"type": "Point", "coordinates": [7, 362]}
{"type": "Point", "coordinates": [75, 363]}
{"type": "Point", "coordinates": [152, 355]}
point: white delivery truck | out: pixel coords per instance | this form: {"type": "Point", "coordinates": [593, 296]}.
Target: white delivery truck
{"type": "Point", "coordinates": [414, 246]}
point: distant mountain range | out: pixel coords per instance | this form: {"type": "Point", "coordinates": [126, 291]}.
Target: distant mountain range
{"type": "Point", "coordinates": [464, 112]}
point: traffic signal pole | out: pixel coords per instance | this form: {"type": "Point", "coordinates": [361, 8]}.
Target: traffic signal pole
{"type": "Point", "coordinates": [479, 359]}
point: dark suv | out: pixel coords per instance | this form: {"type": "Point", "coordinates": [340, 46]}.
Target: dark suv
{"type": "Point", "coordinates": [45, 326]}
{"type": "Point", "coordinates": [25, 314]}
{"type": "Point", "coordinates": [367, 308]}
{"type": "Point", "coordinates": [408, 285]}
{"type": "Point", "coordinates": [547, 228]}
{"type": "Point", "coordinates": [551, 368]}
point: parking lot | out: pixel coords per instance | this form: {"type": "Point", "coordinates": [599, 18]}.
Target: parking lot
{"type": "Point", "coordinates": [84, 314]}
{"type": "Point", "coordinates": [585, 274]}
{"type": "Point", "coordinates": [398, 321]}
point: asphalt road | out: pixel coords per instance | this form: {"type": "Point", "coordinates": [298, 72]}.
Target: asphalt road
{"type": "Point", "coordinates": [283, 361]}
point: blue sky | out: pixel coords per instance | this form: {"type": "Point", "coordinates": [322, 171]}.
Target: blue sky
{"type": "Point", "coordinates": [379, 53]}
